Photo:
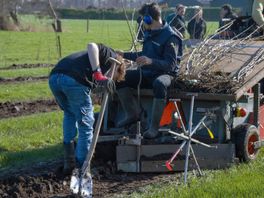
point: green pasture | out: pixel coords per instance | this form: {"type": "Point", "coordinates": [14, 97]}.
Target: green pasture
{"type": "Point", "coordinates": [25, 91]}
{"type": "Point", "coordinates": [37, 47]}
{"type": "Point", "coordinates": [35, 138]}
{"type": "Point", "coordinates": [244, 180]}
{"type": "Point", "coordinates": [32, 72]}
{"type": "Point", "coordinates": [41, 46]}
{"type": "Point", "coordinates": [30, 139]}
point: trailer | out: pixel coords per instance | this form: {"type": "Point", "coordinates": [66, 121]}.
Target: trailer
{"type": "Point", "coordinates": [197, 130]}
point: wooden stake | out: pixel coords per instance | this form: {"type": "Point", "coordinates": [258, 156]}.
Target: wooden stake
{"type": "Point", "coordinates": [87, 25]}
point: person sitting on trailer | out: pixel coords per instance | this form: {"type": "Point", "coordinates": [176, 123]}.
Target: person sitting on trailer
{"type": "Point", "coordinates": [197, 26]}
{"type": "Point", "coordinates": [158, 63]}
{"type": "Point", "coordinates": [71, 81]}
{"type": "Point", "coordinates": [177, 21]}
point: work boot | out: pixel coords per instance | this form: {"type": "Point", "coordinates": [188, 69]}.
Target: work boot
{"type": "Point", "coordinates": [69, 158]}
{"type": "Point", "coordinates": [157, 110]}
{"type": "Point", "coordinates": [129, 105]}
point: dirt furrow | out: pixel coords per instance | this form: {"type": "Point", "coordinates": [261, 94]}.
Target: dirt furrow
{"type": "Point", "coordinates": [46, 180]}
{"type": "Point", "coordinates": [26, 65]}
{"type": "Point", "coordinates": [22, 79]}
{"type": "Point", "coordinates": [8, 109]}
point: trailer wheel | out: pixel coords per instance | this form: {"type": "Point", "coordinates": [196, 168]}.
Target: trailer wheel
{"type": "Point", "coordinates": [244, 137]}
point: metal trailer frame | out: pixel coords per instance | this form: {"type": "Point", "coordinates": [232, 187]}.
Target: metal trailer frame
{"type": "Point", "coordinates": [134, 154]}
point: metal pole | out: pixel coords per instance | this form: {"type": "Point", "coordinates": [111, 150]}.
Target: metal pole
{"type": "Point", "coordinates": [189, 141]}
{"type": "Point", "coordinates": [256, 104]}
{"type": "Point", "coordinates": [191, 115]}
{"type": "Point", "coordinates": [196, 162]}
{"type": "Point", "coordinates": [180, 117]}
{"type": "Point", "coordinates": [138, 146]}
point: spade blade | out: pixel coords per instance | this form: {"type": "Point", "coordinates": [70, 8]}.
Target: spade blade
{"type": "Point", "coordinates": [87, 186]}
{"type": "Point", "coordinates": [75, 181]}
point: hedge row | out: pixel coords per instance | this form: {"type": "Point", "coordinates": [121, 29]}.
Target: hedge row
{"type": "Point", "coordinates": [210, 14]}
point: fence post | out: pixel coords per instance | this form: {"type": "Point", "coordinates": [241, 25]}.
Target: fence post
{"type": "Point", "coordinates": [59, 46]}
{"type": "Point", "coordinates": [87, 25]}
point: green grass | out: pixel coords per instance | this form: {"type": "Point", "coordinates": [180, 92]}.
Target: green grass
{"type": "Point", "coordinates": [244, 180]}
{"type": "Point", "coordinates": [33, 72]}
{"type": "Point", "coordinates": [30, 139]}
{"type": "Point", "coordinates": [211, 27]}
{"type": "Point", "coordinates": [36, 47]}
{"type": "Point", "coordinates": [25, 91]}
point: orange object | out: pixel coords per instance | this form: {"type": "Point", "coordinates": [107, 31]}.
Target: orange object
{"type": "Point", "coordinates": [169, 110]}
{"type": "Point", "coordinates": [166, 117]}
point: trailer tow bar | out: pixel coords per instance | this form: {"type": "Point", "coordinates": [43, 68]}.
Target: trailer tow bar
{"type": "Point", "coordinates": [187, 136]}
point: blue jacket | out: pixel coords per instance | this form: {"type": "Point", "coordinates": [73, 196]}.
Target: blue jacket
{"type": "Point", "coordinates": [164, 47]}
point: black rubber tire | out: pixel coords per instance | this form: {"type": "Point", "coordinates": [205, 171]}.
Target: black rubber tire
{"type": "Point", "coordinates": [243, 136]}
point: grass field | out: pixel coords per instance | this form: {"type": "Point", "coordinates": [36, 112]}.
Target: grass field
{"type": "Point", "coordinates": [35, 138]}
{"type": "Point", "coordinates": [30, 139]}
{"type": "Point", "coordinates": [35, 47]}
{"type": "Point", "coordinates": [244, 180]}
{"type": "Point", "coordinates": [24, 91]}
{"type": "Point", "coordinates": [33, 72]}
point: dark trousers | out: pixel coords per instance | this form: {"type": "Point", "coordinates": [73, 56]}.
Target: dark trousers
{"type": "Point", "coordinates": [150, 80]}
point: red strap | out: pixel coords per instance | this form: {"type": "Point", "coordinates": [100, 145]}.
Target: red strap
{"type": "Point", "coordinates": [98, 76]}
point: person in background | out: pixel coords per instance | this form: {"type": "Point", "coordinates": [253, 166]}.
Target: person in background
{"type": "Point", "coordinates": [226, 12]}
{"type": "Point", "coordinates": [164, 8]}
{"type": "Point", "coordinates": [227, 15]}
{"type": "Point", "coordinates": [71, 81]}
{"type": "Point", "coordinates": [158, 63]}
{"type": "Point", "coordinates": [197, 26]}
{"type": "Point", "coordinates": [177, 21]}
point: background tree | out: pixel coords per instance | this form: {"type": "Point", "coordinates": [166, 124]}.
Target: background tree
{"type": "Point", "coordinates": [8, 14]}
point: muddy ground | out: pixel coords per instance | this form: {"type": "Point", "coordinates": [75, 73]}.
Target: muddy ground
{"type": "Point", "coordinates": [20, 66]}
{"type": "Point", "coordinates": [9, 109]}
{"type": "Point", "coordinates": [46, 180]}
{"type": "Point", "coordinates": [22, 79]}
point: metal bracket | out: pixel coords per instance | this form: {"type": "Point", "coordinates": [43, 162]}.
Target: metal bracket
{"type": "Point", "coordinates": [258, 144]}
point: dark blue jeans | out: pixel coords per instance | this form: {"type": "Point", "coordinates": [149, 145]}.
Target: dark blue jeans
{"type": "Point", "coordinates": [150, 80]}
{"type": "Point", "coordinates": [75, 101]}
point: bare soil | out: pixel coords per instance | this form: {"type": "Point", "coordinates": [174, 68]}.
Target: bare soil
{"type": "Point", "coordinates": [22, 79]}
{"type": "Point", "coordinates": [8, 109]}
{"type": "Point", "coordinates": [46, 180]}
{"type": "Point", "coordinates": [27, 65]}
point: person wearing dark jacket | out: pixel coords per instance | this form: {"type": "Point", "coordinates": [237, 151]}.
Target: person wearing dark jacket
{"type": "Point", "coordinates": [197, 26]}
{"type": "Point", "coordinates": [226, 16]}
{"type": "Point", "coordinates": [71, 81]}
{"type": "Point", "coordinates": [177, 21]}
{"type": "Point", "coordinates": [158, 63]}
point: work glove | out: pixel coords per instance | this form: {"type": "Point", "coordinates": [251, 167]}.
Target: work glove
{"type": "Point", "coordinates": [100, 79]}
